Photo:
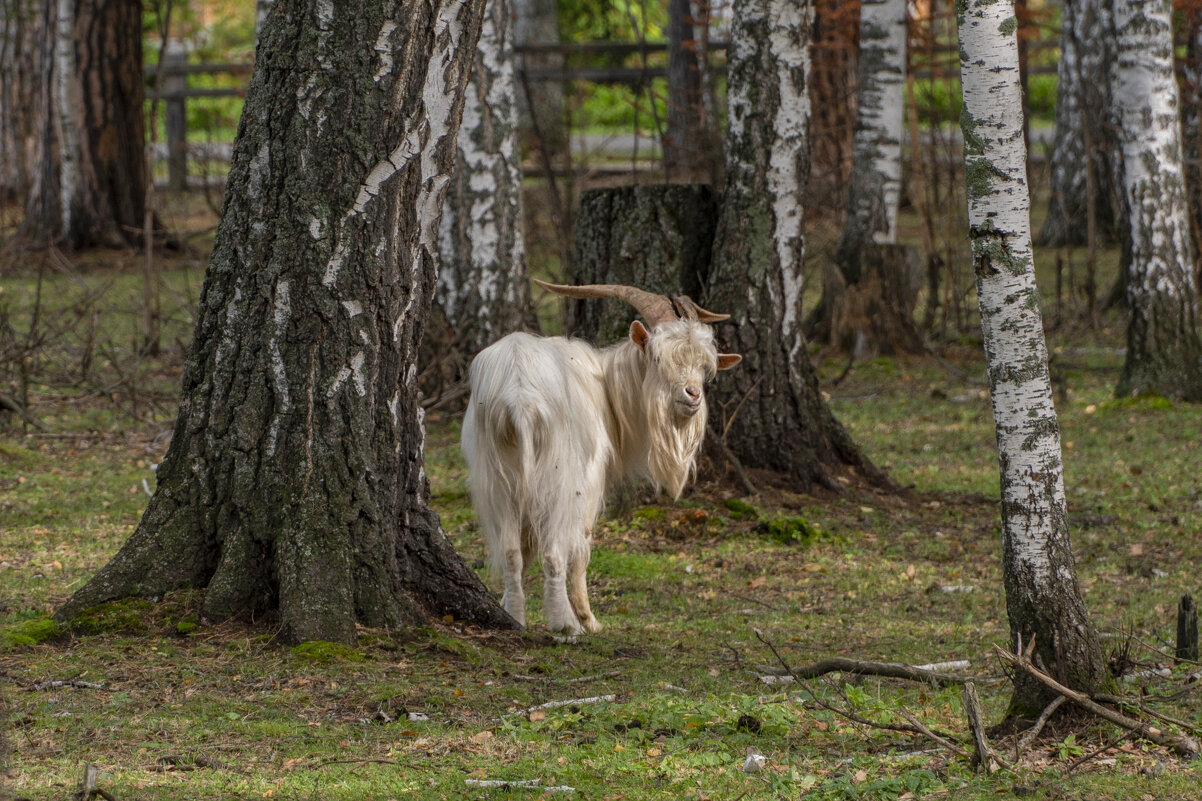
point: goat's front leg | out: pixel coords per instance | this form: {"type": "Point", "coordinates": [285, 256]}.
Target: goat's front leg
{"type": "Point", "coordinates": [556, 607]}
{"type": "Point", "coordinates": [578, 590]}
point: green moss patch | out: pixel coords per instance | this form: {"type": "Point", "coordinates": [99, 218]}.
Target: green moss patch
{"type": "Point", "coordinates": [325, 653]}
{"type": "Point", "coordinates": [29, 632]}
{"type": "Point", "coordinates": [127, 616]}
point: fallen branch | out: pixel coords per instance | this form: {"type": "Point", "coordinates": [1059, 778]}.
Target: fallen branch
{"type": "Point", "coordinates": [577, 680]}
{"type": "Point", "coordinates": [1183, 746]}
{"type": "Point", "coordinates": [596, 699]}
{"type": "Point", "coordinates": [521, 784]}
{"type": "Point", "coordinates": [892, 670]}
{"type": "Point", "coordinates": [838, 664]}
{"type": "Point", "coordinates": [1030, 734]}
{"type": "Point", "coordinates": [1118, 700]}
{"type": "Point", "coordinates": [58, 684]}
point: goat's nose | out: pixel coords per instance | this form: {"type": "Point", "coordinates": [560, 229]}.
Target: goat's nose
{"type": "Point", "coordinates": [692, 391]}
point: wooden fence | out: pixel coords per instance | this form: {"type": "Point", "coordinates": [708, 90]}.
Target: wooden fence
{"type": "Point", "coordinates": [173, 73]}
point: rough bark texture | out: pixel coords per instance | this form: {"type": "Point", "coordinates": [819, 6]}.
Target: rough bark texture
{"type": "Point", "coordinates": [875, 189]}
{"type": "Point", "coordinates": [868, 306]}
{"type": "Point", "coordinates": [689, 154]}
{"type": "Point", "coordinates": [483, 289]}
{"type": "Point", "coordinates": [20, 63]}
{"type": "Point", "coordinates": [1082, 126]}
{"type": "Point", "coordinates": [295, 481]}
{"type": "Point", "coordinates": [770, 411]}
{"type": "Point", "coordinates": [656, 237]}
{"type": "Point", "coordinates": [1191, 122]}
{"type": "Point", "coordinates": [832, 86]}
{"type": "Point", "coordinates": [541, 107]}
{"type": "Point", "coordinates": [1042, 596]}
{"type": "Point", "coordinates": [91, 188]}
{"type": "Point", "coordinates": [1164, 353]}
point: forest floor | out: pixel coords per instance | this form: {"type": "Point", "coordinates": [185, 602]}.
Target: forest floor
{"type": "Point", "coordinates": [700, 599]}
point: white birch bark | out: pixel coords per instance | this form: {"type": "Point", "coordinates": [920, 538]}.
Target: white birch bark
{"type": "Point", "coordinates": [876, 175]}
{"type": "Point", "coordinates": [1191, 127]}
{"type": "Point", "coordinates": [1042, 597]}
{"type": "Point", "coordinates": [1164, 354]}
{"type": "Point", "coordinates": [67, 102]}
{"type": "Point", "coordinates": [1082, 127]}
{"type": "Point", "coordinates": [482, 283]}
{"type": "Point", "coordinates": [773, 119]}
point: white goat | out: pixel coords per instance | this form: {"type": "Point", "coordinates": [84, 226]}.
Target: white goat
{"type": "Point", "coordinates": [553, 423]}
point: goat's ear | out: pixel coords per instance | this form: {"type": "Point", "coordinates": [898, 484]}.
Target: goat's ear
{"type": "Point", "coordinates": [728, 360]}
{"type": "Point", "coordinates": [639, 335]}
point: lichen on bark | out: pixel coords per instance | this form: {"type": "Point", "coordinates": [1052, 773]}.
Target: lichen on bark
{"type": "Point", "coordinates": [1043, 599]}
{"type": "Point", "coordinates": [294, 483]}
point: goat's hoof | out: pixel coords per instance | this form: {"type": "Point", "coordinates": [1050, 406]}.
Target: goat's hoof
{"type": "Point", "coordinates": [569, 628]}
{"type": "Point", "coordinates": [592, 626]}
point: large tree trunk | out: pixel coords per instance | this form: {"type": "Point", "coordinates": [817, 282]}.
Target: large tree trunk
{"type": "Point", "coordinates": [483, 290]}
{"type": "Point", "coordinates": [770, 412]}
{"type": "Point", "coordinates": [1082, 129]}
{"type": "Point", "coordinates": [868, 304]}
{"type": "Point", "coordinates": [657, 237]}
{"type": "Point", "coordinates": [20, 64]}
{"type": "Point", "coordinates": [91, 190]}
{"type": "Point", "coordinates": [536, 22]}
{"type": "Point", "coordinates": [832, 86]}
{"type": "Point", "coordinates": [1042, 596]}
{"type": "Point", "coordinates": [295, 481]}
{"type": "Point", "coordinates": [1164, 353]}
{"type": "Point", "coordinates": [689, 154]}
{"type": "Point", "coordinates": [1191, 122]}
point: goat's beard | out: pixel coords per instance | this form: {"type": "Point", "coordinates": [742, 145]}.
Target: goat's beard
{"type": "Point", "coordinates": [674, 444]}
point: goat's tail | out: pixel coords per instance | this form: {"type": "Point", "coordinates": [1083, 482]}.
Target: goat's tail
{"type": "Point", "coordinates": [506, 432]}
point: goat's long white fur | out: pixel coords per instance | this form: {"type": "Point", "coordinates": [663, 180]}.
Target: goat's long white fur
{"type": "Point", "coordinates": [553, 423]}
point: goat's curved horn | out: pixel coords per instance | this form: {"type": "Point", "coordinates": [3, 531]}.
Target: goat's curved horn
{"type": "Point", "coordinates": [691, 311]}
{"type": "Point", "coordinates": [655, 308]}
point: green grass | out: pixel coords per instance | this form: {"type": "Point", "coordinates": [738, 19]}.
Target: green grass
{"type": "Point", "coordinates": [188, 708]}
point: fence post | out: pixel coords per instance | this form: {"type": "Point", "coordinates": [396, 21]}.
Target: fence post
{"type": "Point", "coordinates": [175, 83]}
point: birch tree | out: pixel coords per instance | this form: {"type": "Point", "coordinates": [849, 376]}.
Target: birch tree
{"type": "Point", "coordinates": [20, 61]}
{"type": "Point", "coordinates": [482, 282]}
{"type": "Point", "coordinates": [1164, 353]}
{"type": "Point", "coordinates": [868, 302]}
{"type": "Point", "coordinates": [1084, 164]}
{"type": "Point", "coordinates": [1043, 599]}
{"type": "Point", "coordinates": [772, 414]}
{"type": "Point", "coordinates": [294, 485]}
{"type": "Point", "coordinates": [536, 22]}
{"type": "Point", "coordinates": [90, 181]}
{"type": "Point", "coordinates": [1191, 123]}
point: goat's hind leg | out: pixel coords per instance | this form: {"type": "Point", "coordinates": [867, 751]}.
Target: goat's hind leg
{"type": "Point", "coordinates": [513, 567]}
{"type": "Point", "coordinates": [556, 607]}
{"type": "Point", "coordinates": [578, 590]}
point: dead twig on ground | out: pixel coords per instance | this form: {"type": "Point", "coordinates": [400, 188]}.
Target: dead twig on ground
{"type": "Point", "coordinates": [1030, 734]}
{"type": "Point", "coordinates": [595, 699]}
{"type": "Point", "coordinates": [913, 727]}
{"type": "Point", "coordinates": [1183, 746]}
{"type": "Point", "coordinates": [577, 680]}
{"type": "Point", "coordinates": [57, 684]}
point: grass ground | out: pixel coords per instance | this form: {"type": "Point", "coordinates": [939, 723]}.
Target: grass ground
{"type": "Point", "coordinates": [170, 706]}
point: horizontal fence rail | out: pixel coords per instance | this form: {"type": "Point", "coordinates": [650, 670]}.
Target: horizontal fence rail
{"type": "Point", "coordinates": [167, 82]}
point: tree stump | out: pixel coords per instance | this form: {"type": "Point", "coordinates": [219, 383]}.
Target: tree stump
{"type": "Point", "coordinates": [872, 311]}
{"type": "Point", "coordinates": [1187, 629]}
{"type": "Point", "coordinates": [657, 238]}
